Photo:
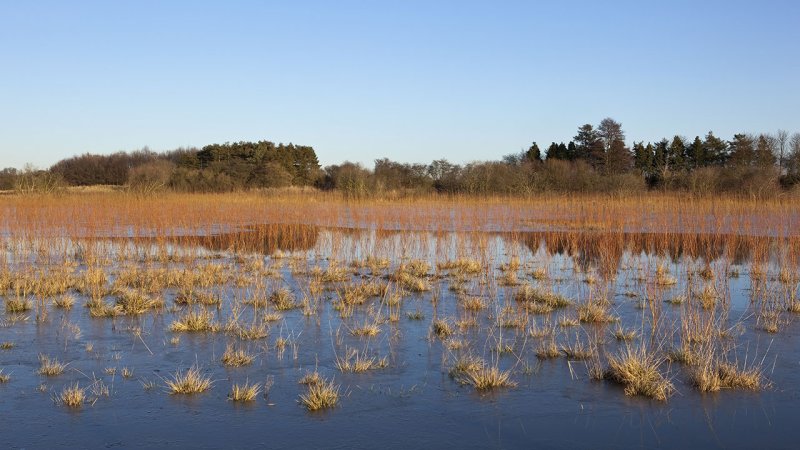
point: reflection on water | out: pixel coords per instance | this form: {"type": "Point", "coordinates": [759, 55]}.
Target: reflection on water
{"type": "Point", "coordinates": [264, 239]}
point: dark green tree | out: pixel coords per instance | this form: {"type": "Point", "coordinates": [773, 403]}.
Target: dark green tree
{"type": "Point", "coordinates": [742, 150]}
{"type": "Point", "coordinates": [677, 154]}
{"type": "Point", "coordinates": [533, 154]}
{"type": "Point", "coordinates": [716, 149]}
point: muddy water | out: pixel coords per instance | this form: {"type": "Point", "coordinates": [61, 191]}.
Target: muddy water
{"type": "Point", "coordinates": [413, 402]}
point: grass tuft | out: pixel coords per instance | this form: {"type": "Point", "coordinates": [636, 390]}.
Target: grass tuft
{"type": "Point", "coordinates": [189, 382]}
{"type": "Point", "coordinates": [323, 394]}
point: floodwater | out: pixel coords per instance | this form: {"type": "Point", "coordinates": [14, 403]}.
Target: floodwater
{"type": "Point", "coordinates": [413, 402]}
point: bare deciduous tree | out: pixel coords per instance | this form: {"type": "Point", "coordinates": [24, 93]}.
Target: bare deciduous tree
{"type": "Point", "coordinates": [782, 139]}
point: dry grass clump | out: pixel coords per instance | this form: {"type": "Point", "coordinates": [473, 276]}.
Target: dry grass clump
{"type": "Point", "coordinates": [7, 345]}
{"type": "Point", "coordinates": [464, 266]}
{"type": "Point", "coordinates": [769, 321]}
{"type": "Point", "coordinates": [322, 394]}
{"type": "Point", "coordinates": [594, 312]}
{"type": "Point", "coordinates": [332, 274]}
{"type": "Point", "coordinates": [410, 282]}
{"type": "Point", "coordinates": [576, 350]}
{"type": "Point", "coordinates": [4, 377]}
{"type": "Point", "coordinates": [50, 367]}
{"type": "Point", "coordinates": [442, 328]}
{"type": "Point", "coordinates": [65, 301]}
{"type": "Point", "coordinates": [548, 350]}
{"type": "Point", "coordinates": [510, 318]}
{"type": "Point", "coordinates": [189, 382]}
{"type": "Point", "coordinates": [99, 309]}
{"type": "Point", "coordinates": [486, 378]}
{"type": "Point", "coordinates": [663, 277]}
{"type": "Point", "coordinates": [234, 357]}
{"type": "Point", "coordinates": [566, 322]}
{"type": "Point", "coordinates": [714, 375]}
{"type": "Point", "coordinates": [638, 371]}
{"type": "Point", "coordinates": [357, 362]}
{"type": "Point", "coordinates": [676, 300]}
{"type": "Point", "coordinates": [18, 305]}
{"type": "Point", "coordinates": [528, 293]}
{"type": "Point", "coordinates": [190, 296]}
{"type": "Point", "coordinates": [708, 297]}
{"type": "Point", "coordinates": [244, 392]}
{"type": "Point", "coordinates": [311, 378]}
{"type": "Point", "coordinates": [366, 330]}
{"type": "Point", "coordinates": [685, 354]}
{"type": "Point", "coordinates": [135, 302]}
{"type": "Point", "coordinates": [417, 267]}
{"type": "Point", "coordinates": [539, 273]}
{"type": "Point", "coordinates": [471, 303]}
{"type": "Point", "coordinates": [706, 273]}
{"type": "Point", "coordinates": [466, 363]}
{"type": "Point", "coordinates": [195, 322]}
{"type": "Point", "coordinates": [72, 396]}
{"type": "Point", "coordinates": [375, 264]}
{"type": "Point", "coordinates": [283, 299]}
{"type": "Point", "coordinates": [509, 278]}
{"type": "Point", "coordinates": [621, 334]}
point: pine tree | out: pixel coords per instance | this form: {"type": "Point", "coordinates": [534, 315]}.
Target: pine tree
{"type": "Point", "coordinates": [643, 158]}
{"type": "Point", "coordinates": [533, 153]}
{"type": "Point", "coordinates": [585, 141]}
{"type": "Point", "coordinates": [677, 154]}
{"type": "Point", "coordinates": [742, 150]}
{"type": "Point", "coordinates": [716, 150]}
{"type": "Point", "coordinates": [696, 154]}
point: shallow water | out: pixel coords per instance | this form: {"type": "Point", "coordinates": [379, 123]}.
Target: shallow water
{"type": "Point", "coordinates": [413, 402]}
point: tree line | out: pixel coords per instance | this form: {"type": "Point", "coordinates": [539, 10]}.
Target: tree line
{"type": "Point", "coordinates": [596, 159]}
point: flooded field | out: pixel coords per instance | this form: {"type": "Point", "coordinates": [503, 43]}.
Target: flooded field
{"type": "Point", "coordinates": [345, 328]}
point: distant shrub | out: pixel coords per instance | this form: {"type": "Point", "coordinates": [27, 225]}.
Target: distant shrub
{"type": "Point", "coordinates": [150, 177]}
{"type": "Point", "coordinates": [32, 181]}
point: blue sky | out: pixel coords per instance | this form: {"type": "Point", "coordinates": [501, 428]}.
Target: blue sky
{"type": "Point", "coordinates": [408, 80]}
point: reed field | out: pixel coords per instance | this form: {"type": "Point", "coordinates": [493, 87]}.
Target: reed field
{"type": "Point", "coordinates": [473, 313]}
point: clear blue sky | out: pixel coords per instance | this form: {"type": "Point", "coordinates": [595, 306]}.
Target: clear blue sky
{"type": "Point", "coordinates": [408, 80]}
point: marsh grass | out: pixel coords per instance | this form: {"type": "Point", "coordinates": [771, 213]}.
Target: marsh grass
{"type": "Point", "coordinates": [622, 334]}
{"type": "Point", "coordinates": [487, 378]}
{"type": "Point", "coordinates": [50, 367]}
{"type": "Point", "coordinates": [595, 312]}
{"type": "Point", "coordinates": [638, 370]}
{"type": "Point", "coordinates": [548, 349]}
{"type": "Point", "coordinates": [195, 322]}
{"type": "Point", "coordinates": [576, 350]}
{"type": "Point", "coordinates": [188, 382]}
{"type": "Point", "coordinates": [65, 301]}
{"type": "Point", "coordinates": [322, 394]}
{"type": "Point", "coordinates": [357, 362]}
{"type": "Point", "coordinates": [72, 396]}
{"type": "Point", "coordinates": [442, 328]}
{"type": "Point", "coordinates": [415, 315]}
{"type": "Point", "coordinates": [528, 293]}
{"type": "Point", "coordinates": [236, 357]}
{"type": "Point", "coordinates": [16, 305]}
{"type": "Point", "coordinates": [244, 392]}
{"type": "Point", "coordinates": [311, 378]}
